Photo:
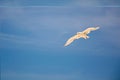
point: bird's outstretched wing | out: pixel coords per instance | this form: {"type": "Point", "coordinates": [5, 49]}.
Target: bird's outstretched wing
{"type": "Point", "coordinates": [71, 39]}
{"type": "Point", "coordinates": [80, 35]}
{"type": "Point", "coordinates": [88, 30]}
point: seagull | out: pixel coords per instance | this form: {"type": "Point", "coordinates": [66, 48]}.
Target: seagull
{"type": "Point", "coordinates": [82, 34]}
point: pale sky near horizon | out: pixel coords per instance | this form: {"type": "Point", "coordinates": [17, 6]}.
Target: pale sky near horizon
{"type": "Point", "coordinates": [33, 34]}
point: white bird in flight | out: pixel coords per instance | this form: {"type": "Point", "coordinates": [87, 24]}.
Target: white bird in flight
{"type": "Point", "coordinates": [82, 34]}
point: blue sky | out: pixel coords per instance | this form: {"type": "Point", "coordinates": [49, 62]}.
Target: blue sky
{"type": "Point", "coordinates": [33, 34]}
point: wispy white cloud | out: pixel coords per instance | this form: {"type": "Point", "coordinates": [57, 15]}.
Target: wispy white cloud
{"type": "Point", "coordinates": [84, 3]}
{"type": "Point", "coordinates": [13, 41]}
{"type": "Point", "coordinates": [56, 22]}
{"type": "Point", "coordinates": [37, 76]}
{"type": "Point", "coordinates": [94, 3]}
{"type": "Point", "coordinates": [80, 3]}
{"type": "Point", "coordinates": [13, 38]}
{"type": "Point", "coordinates": [58, 18]}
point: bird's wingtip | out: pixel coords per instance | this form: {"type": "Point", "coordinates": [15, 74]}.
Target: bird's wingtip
{"type": "Point", "coordinates": [97, 27]}
{"type": "Point", "coordinates": [65, 45]}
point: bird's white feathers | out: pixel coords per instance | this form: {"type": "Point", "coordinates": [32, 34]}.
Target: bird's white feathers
{"type": "Point", "coordinates": [82, 34]}
{"type": "Point", "coordinates": [70, 40]}
{"type": "Point", "coordinates": [88, 30]}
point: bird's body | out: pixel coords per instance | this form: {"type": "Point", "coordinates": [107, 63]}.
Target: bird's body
{"type": "Point", "coordinates": [82, 34]}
